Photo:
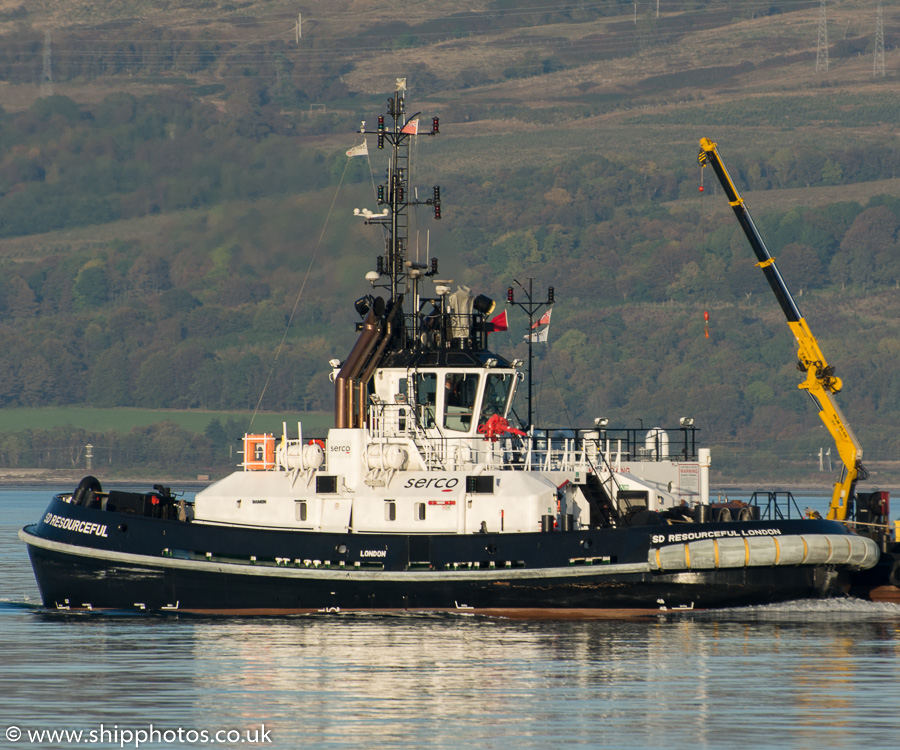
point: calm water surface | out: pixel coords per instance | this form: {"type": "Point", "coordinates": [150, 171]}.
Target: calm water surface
{"type": "Point", "coordinates": [806, 675]}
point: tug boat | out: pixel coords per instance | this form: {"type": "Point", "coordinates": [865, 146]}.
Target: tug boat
{"type": "Point", "coordinates": [425, 497]}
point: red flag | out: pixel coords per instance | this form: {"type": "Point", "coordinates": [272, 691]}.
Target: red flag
{"type": "Point", "coordinates": [412, 127]}
{"type": "Point", "coordinates": [500, 323]}
{"type": "Point", "coordinates": [545, 319]}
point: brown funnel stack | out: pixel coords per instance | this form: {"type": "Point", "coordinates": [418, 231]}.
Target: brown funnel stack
{"type": "Point", "coordinates": [344, 391]}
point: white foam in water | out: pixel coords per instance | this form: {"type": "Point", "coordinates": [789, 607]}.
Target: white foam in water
{"type": "Point", "coordinates": [823, 610]}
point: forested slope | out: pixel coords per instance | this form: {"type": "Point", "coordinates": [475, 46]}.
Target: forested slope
{"type": "Point", "coordinates": [163, 208]}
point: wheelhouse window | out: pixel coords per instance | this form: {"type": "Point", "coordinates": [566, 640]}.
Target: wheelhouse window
{"type": "Point", "coordinates": [496, 394]}
{"type": "Point", "coordinates": [460, 394]}
{"type": "Point", "coordinates": [426, 397]}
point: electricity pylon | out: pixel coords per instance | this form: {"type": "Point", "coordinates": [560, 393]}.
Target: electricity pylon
{"type": "Point", "coordinates": [822, 48]}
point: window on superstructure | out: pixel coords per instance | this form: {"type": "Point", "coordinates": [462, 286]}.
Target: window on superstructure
{"type": "Point", "coordinates": [496, 393]}
{"type": "Point", "coordinates": [426, 397]}
{"type": "Point", "coordinates": [419, 511]}
{"type": "Point", "coordinates": [460, 394]}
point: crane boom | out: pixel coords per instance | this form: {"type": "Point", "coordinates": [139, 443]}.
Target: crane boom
{"type": "Point", "coordinates": [821, 383]}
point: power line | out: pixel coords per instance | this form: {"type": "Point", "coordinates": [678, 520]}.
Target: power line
{"type": "Point", "coordinates": [288, 30]}
{"type": "Point", "coordinates": [326, 47]}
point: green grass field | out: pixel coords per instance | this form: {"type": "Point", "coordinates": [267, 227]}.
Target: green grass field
{"type": "Point", "coordinates": [123, 419]}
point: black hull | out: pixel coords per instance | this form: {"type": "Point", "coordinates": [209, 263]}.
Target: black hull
{"type": "Point", "coordinates": [74, 582]}
{"type": "Point", "coordinates": [99, 560]}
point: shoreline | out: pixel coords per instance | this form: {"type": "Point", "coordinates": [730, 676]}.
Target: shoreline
{"type": "Point", "coordinates": [69, 479]}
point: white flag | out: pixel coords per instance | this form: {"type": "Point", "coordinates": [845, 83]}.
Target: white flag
{"type": "Point", "coordinates": [540, 329]}
{"type": "Point", "coordinates": [361, 150]}
{"type": "Point", "coordinates": [539, 337]}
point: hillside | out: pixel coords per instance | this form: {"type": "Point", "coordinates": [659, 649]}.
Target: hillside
{"type": "Point", "coordinates": [176, 188]}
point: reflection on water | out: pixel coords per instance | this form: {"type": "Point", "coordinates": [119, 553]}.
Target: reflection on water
{"type": "Point", "coordinates": [792, 675]}
{"type": "Point", "coordinates": [347, 681]}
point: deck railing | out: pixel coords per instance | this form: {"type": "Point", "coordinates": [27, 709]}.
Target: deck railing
{"type": "Point", "coordinates": [546, 449]}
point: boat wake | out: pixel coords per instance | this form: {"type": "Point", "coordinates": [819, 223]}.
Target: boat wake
{"type": "Point", "coordinates": [820, 610]}
{"type": "Point", "coordinates": [19, 604]}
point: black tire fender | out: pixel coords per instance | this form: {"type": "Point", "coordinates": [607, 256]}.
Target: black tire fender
{"type": "Point", "coordinates": [88, 484]}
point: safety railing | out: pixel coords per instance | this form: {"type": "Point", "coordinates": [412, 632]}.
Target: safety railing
{"type": "Point", "coordinates": [775, 506]}
{"type": "Point", "coordinates": [544, 450]}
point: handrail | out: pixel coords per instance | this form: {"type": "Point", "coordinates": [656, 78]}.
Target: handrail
{"type": "Point", "coordinates": [581, 449]}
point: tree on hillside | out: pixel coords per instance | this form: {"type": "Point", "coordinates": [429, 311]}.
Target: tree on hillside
{"type": "Point", "coordinates": [91, 287]}
{"type": "Point", "coordinates": [801, 267]}
{"type": "Point", "coordinates": [108, 383]}
{"type": "Point", "coordinates": [38, 382]}
{"type": "Point", "coordinates": [20, 299]}
{"type": "Point", "coordinates": [869, 248]}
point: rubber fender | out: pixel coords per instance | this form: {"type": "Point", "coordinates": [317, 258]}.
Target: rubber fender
{"type": "Point", "coordinates": [88, 484]}
{"type": "Point", "coordinates": [866, 553]}
{"type": "Point", "coordinates": [819, 549]}
{"type": "Point", "coordinates": [738, 552]}
{"type": "Point", "coordinates": [792, 550]}
{"type": "Point", "coordinates": [670, 557]}
{"type": "Point", "coordinates": [732, 552]}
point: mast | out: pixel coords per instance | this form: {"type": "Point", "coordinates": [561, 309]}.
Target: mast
{"type": "Point", "coordinates": [530, 308]}
{"type": "Point", "coordinates": [394, 195]}
{"type": "Point", "coordinates": [386, 324]}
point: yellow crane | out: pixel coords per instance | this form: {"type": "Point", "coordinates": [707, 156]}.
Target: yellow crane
{"type": "Point", "coordinates": [821, 383]}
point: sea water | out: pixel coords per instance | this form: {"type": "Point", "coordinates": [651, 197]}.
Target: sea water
{"type": "Point", "coordinates": [803, 674]}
